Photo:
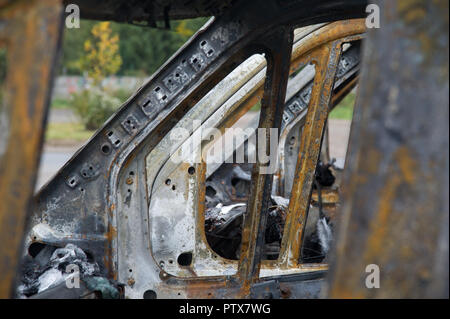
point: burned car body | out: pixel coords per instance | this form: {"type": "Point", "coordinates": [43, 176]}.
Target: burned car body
{"type": "Point", "coordinates": [130, 198]}
{"type": "Point", "coordinates": [142, 219]}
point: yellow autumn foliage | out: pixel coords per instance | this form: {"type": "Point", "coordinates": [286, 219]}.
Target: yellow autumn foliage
{"type": "Point", "coordinates": [183, 29]}
{"type": "Point", "coordinates": [102, 56]}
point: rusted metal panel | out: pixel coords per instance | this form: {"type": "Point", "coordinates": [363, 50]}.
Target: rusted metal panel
{"type": "Point", "coordinates": [395, 211]}
{"type": "Point", "coordinates": [31, 33]}
{"type": "Point", "coordinates": [272, 107]}
{"type": "Point", "coordinates": [326, 61]}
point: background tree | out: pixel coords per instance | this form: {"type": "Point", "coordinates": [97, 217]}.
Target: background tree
{"type": "Point", "coordinates": [143, 50]}
{"type": "Point", "coordinates": [102, 56]}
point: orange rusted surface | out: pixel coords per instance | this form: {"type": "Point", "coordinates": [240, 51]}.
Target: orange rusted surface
{"type": "Point", "coordinates": [332, 32]}
{"type": "Point", "coordinates": [329, 196]}
{"type": "Point", "coordinates": [270, 116]}
{"type": "Point", "coordinates": [31, 31]}
{"type": "Point", "coordinates": [395, 212]}
{"type": "Point", "coordinates": [326, 59]}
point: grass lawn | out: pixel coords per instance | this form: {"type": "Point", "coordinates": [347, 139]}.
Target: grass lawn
{"type": "Point", "coordinates": [344, 110]}
{"type": "Point", "coordinates": [58, 103]}
{"type": "Point", "coordinates": [67, 132]}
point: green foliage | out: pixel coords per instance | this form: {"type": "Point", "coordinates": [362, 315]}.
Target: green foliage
{"type": "Point", "coordinates": [344, 110]}
{"type": "Point", "coordinates": [60, 103]}
{"type": "Point", "coordinates": [143, 50]}
{"type": "Point", "coordinates": [121, 94]}
{"type": "Point", "coordinates": [61, 133]}
{"type": "Point", "coordinates": [94, 107]}
{"type": "Point", "coordinates": [73, 47]}
{"type": "Point", "coordinates": [2, 65]}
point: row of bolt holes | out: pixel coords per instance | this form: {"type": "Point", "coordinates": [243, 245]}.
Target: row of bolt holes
{"type": "Point", "coordinates": [177, 75]}
{"type": "Point", "coordinates": [105, 147]}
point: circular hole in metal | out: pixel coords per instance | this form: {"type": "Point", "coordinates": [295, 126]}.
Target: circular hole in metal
{"type": "Point", "coordinates": [185, 259]}
{"type": "Point", "coordinates": [150, 294]}
{"type": "Point", "coordinates": [191, 170]}
{"type": "Point", "coordinates": [106, 149]}
{"type": "Point", "coordinates": [173, 187]}
{"type": "Point", "coordinates": [168, 181]}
